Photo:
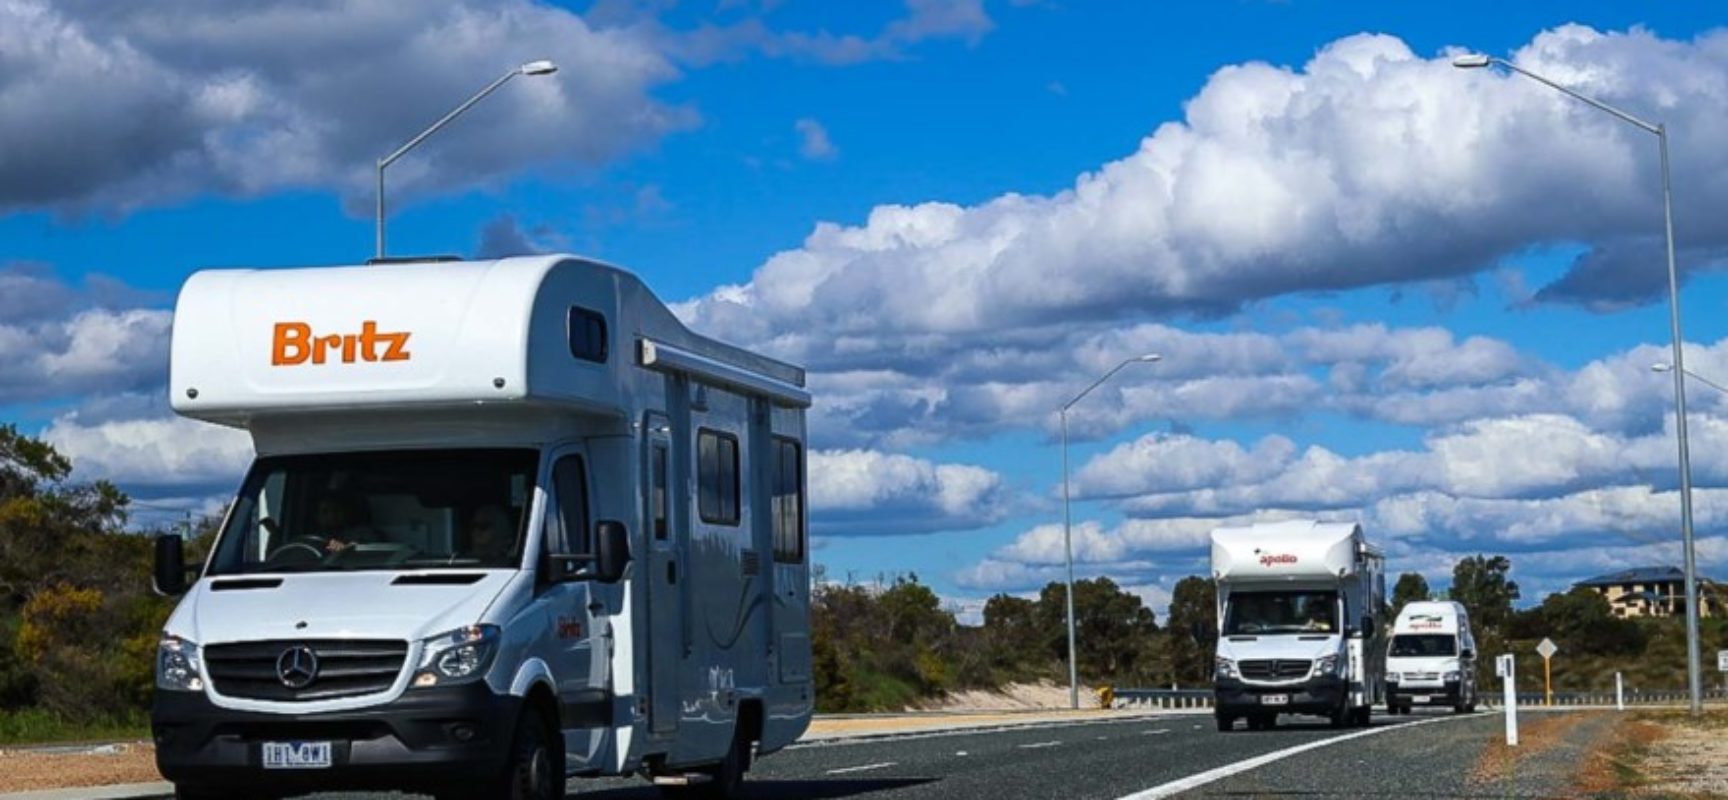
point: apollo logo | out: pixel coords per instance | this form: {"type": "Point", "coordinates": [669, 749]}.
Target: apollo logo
{"type": "Point", "coordinates": [1283, 558]}
{"type": "Point", "coordinates": [293, 343]}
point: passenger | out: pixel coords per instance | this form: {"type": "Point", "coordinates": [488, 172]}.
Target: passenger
{"type": "Point", "coordinates": [489, 535]}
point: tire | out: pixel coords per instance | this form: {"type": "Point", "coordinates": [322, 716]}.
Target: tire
{"type": "Point", "coordinates": [192, 792]}
{"type": "Point", "coordinates": [1363, 717]}
{"type": "Point", "coordinates": [1470, 708]}
{"type": "Point", "coordinates": [532, 771]}
{"type": "Point", "coordinates": [727, 777]}
{"type": "Point", "coordinates": [1225, 723]}
{"type": "Point", "coordinates": [1340, 716]}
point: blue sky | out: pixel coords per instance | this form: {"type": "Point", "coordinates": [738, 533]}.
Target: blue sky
{"type": "Point", "coordinates": [1384, 289]}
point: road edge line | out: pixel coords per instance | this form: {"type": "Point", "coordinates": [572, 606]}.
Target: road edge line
{"type": "Point", "coordinates": [1219, 773]}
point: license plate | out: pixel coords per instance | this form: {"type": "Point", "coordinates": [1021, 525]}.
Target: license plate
{"type": "Point", "coordinates": [296, 755]}
{"type": "Point", "coordinates": [1422, 698]}
{"type": "Point", "coordinates": [1274, 699]}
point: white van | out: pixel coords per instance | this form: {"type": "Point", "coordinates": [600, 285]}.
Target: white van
{"type": "Point", "coordinates": [509, 522]}
{"type": "Point", "coordinates": [1299, 605]}
{"type": "Point", "coordinates": [1431, 659]}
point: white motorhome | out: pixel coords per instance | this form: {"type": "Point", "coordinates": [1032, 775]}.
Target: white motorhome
{"type": "Point", "coordinates": [509, 521]}
{"type": "Point", "coordinates": [1299, 605]}
{"type": "Point", "coordinates": [1431, 659]}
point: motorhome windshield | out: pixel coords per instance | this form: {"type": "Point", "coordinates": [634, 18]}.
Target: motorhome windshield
{"type": "Point", "coordinates": [1423, 645]}
{"type": "Point", "coordinates": [421, 509]}
{"type": "Point", "coordinates": [1260, 613]}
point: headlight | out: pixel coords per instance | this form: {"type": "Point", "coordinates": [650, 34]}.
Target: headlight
{"type": "Point", "coordinates": [1326, 665]}
{"type": "Point", "coordinates": [1452, 677]}
{"type": "Point", "coordinates": [458, 656]}
{"type": "Point", "coordinates": [178, 667]}
{"type": "Point", "coordinates": [1225, 667]}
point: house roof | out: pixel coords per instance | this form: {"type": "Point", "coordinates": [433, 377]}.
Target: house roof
{"type": "Point", "coordinates": [1638, 575]}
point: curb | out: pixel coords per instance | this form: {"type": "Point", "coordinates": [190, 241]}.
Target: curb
{"type": "Point", "coordinates": [124, 791]}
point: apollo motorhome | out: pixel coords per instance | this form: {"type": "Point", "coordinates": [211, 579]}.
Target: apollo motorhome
{"type": "Point", "coordinates": [509, 522]}
{"type": "Point", "coordinates": [1300, 607]}
{"type": "Point", "coordinates": [1431, 659]}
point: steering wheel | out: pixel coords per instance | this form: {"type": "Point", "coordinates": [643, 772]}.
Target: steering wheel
{"type": "Point", "coordinates": [310, 544]}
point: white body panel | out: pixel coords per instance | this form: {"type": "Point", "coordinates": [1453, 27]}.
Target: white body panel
{"type": "Point", "coordinates": [705, 623]}
{"type": "Point", "coordinates": [1304, 556]}
{"type": "Point", "coordinates": [1426, 675]}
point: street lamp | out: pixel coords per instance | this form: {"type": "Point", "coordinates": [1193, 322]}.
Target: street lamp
{"type": "Point", "coordinates": [541, 67]}
{"type": "Point", "coordinates": [1067, 525]}
{"type": "Point", "coordinates": [1694, 676]}
{"type": "Point", "coordinates": [1665, 367]}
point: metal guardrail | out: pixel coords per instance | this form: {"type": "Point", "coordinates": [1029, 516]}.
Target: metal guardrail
{"type": "Point", "coordinates": [1162, 699]}
{"type": "Point", "coordinates": [1172, 699]}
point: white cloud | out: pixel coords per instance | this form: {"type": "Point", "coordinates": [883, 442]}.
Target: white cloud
{"type": "Point", "coordinates": [871, 493]}
{"type": "Point", "coordinates": [813, 141]}
{"type": "Point", "coordinates": [94, 350]}
{"type": "Point", "coordinates": [244, 98]}
{"type": "Point", "coordinates": [152, 452]}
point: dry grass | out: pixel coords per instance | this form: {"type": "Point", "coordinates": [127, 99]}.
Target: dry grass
{"type": "Point", "coordinates": [22, 771]}
{"type": "Point", "coordinates": [1688, 759]}
{"type": "Point", "coordinates": [1537, 734]}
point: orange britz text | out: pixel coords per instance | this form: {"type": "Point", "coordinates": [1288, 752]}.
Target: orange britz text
{"type": "Point", "coordinates": [293, 343]}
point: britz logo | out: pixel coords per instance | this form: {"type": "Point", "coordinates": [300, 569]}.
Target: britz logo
{"type": "Point", "coordinates": [1282, 558]}
{"type": "Point", "coordinates": [293, 343]}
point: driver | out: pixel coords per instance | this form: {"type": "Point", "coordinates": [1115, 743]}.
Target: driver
{"type": "Point", "coordinates": [339, 521]}
{"type": "Point", "coordinates": [1319, 618]}
{"type": "Point", "coordinates": [489, 536]}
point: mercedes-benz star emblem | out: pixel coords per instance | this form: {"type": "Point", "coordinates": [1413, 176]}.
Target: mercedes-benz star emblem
{"type": "Point", "coordinates": [297, 667]}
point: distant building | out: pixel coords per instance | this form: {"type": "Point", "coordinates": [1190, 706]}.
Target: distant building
{"type": "Point", "coordinates": [1654, 592]}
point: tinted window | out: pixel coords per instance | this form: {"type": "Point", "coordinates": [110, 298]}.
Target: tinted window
{"type": "Point", "coordinates": [657, 489]}
{"type": "Point", "coordinates": [418, 509]}
{"type": "Point", "coordinates": [788, 502]}
{"type": "Point", "coordinates": [587, 335]}
{"type": "Point", "coordinates": [1408, 645]}
{"type": "Point", "coordinates": [1252, 613]}
{"type": "Point", "coordinates": [568, 532]}
{"type": "Point", "coordinates": [717, 477]}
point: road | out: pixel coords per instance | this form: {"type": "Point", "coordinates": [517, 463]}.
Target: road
{"type": "Point", "coordinates": [1416, 756]}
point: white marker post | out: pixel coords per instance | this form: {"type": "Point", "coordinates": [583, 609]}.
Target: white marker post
{"type": "Point", "coordinates": [1619, 694]}
{"type": "Point", "coordinates": [1507, 669]}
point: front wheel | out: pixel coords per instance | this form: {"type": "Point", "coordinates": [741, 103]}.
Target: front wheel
{"type": "Point", "coordinates": [1225, 722]}
{"type": "Point", "coordinates": [532, 772]}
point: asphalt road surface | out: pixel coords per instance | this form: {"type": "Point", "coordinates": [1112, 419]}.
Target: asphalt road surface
{"type": "Point", "coordinates": [1413, 756]}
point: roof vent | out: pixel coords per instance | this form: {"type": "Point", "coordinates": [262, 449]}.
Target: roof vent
{"type": "Point", "coordinates": [388, 260]}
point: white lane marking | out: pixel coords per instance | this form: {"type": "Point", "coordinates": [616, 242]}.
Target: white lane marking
{"type": "Point", "coordinates": [1194, 781]}
{"type": "Point", "coordinates": [834, 741]}
{"type": "Point", "coordinates": [865, 768]}
{"type": "Point", "coordinates": [1155, 732]}
{"type": "Point", "coordinates": [960, 752]}
{"type": "Point", "coordinates": [1103, 738]}
{"type": "Point", "coordinates": [1036, 745]}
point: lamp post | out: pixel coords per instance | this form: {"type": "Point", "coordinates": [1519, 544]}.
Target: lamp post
{"type": "Point", "coordinates": [1663, 367]}
{"type": "Point", "coordinates": [1694, 677]}
{"type": "Point", "coordinates": [531, 68]}
{"type": "Point", "coordinates": [1067, 524]}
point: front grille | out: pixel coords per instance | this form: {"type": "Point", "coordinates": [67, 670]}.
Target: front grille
{"type": "Point", "coordinates": [1421, 676]}
{"type": "Point", "coordinates": [346, 668]}
{"type": "Point", "coordinates": [1275, 669]}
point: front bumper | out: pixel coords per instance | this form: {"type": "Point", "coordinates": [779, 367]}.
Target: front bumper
{"type": "Point", "coordinates": [426, 739]}
{"type": "Point", "coordinates": [1446, 694]}
{"type": "Point", "coordinates": [1323, 695]}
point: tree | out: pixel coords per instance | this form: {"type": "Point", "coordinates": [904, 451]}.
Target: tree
{"type": "Point", "coordinates": [1114, 630]}
{"type": "Point", "coordinates": [1411, 588]}
{"type": "Point", "coordinates": [1480, 583]}
{"type": "Point", "coordinates": [1582, 622]}
{"type": "Point", "coordinates": [1191, 632]}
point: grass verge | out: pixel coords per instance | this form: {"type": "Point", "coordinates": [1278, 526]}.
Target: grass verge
{"type": "Point", "coordinates": [35, 726]}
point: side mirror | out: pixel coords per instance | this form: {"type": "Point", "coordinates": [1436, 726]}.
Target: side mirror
{"type": "Point", "coordinates": [612, 551]}
{"type": "Point", "coordinates": [1467, 654]}
{"type": "Point", "coordinates": [1367, 627]}
{"type": "Point", "coordinates": [169, 578]}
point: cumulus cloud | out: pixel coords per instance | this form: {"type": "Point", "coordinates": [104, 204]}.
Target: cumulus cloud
{"type": "Point", "coordinates": [152, 452]}
{"type": "Point", "coordinates": [92, 350]}
{"type": "Point", "coordinates": [1368, 165]}
{"type": "Point", "coordinates": [710, 42]}
{"type": "Point", "coordinates": [244, 98]}
{"type": "Point", "coordinates": [871, 493]}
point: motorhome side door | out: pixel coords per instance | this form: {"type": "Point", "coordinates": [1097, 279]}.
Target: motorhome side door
{"type": "Point", "coordinates": [580, 628]}
{"type": "Point", "coordinates": [665, 576]}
